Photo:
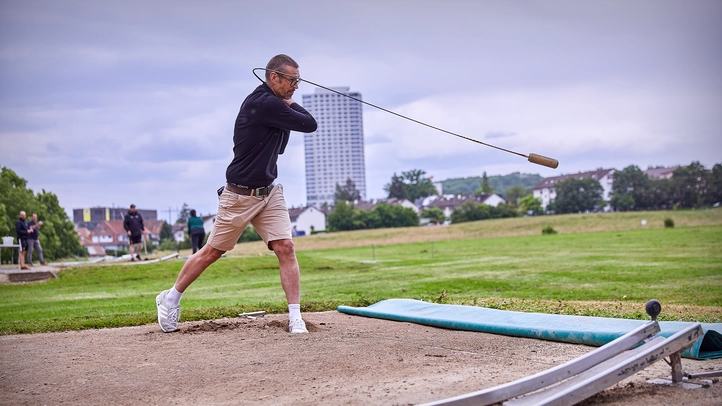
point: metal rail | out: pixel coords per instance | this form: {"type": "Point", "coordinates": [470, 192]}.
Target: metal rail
{"type": "Point", "coordinates": [576, 380]}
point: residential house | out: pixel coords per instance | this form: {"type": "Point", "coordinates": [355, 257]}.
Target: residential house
{"type": "Point", "coordinates": [153, 228]}
{"type": "Point", "coordinates": [180, 231]}
{"type": "Point", "coordinates": [306, 219]}
{"type": "Point", "coordinates": [110, 234]}
{"type": "Point", "coordinates": [660, 172]}
{"type": "Point", "coordinates": [208, 223]}
{"type": "Point", "coordinates": [545, 190]}
{"type": "Point", "coordinates": [448, 203]}
{"type": "Point", "coordinates": [85, 238]}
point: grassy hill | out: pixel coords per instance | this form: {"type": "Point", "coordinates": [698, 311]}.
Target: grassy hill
{"type": "Point", "coordinates": [511, 227]}
{"type": "Point", "coordinates": [500, 183]}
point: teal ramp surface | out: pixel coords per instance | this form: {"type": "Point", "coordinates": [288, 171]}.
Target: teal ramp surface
{"type": "Point", "coordinates": [594, 331]}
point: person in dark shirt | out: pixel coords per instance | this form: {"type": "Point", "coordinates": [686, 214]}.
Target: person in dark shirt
{"type": "Point", "coordinates": [133, 225]}
{"type": "Point", "coordinates": [263, 126]}
{"type": "Point", "coordinates": [21, 229]}
{"type": "Point", "coordinates": [196, 231]}
{"type": "Point", "coordinates": [34, 240]}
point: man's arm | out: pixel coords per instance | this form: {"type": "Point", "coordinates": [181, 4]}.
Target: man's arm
{"type": "Point", "coordinates": [287, 114]}
{"type": "Point", "coordinates": [21, 228]}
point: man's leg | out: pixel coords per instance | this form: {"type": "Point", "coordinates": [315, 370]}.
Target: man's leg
{"type": "Point", "coordinates": [195, 265]}
{"type": "Point", "coordinates": [291, 283]}
{"type": "Point", "coordinates": [40, 252]}
{"type": "Point", "coordinates": [168, 301]}
{"type": "Point", "coordinates": [21, 257]}
{"type": "Point", "coordinates": [31, 245]}
{"type": "Point", "coordinates": [130, 248]}
{"type": "Point", "coordinates": [288, 264]}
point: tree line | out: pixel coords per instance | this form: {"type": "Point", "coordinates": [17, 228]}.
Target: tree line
{"type": "Point", "coordinates": [57, 235]}
{"type": "Point", "coordinates": [690, 186]}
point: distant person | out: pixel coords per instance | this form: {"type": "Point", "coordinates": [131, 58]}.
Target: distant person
{"type": "Point", "coordinates": [133, 225]}
{"type": "Point", "coordinates": [34, 240]}
{"type": "Point", "coordinates": [196, 231]}
{"type": "Point", "coordinates": [21, 229]}
{"type": "Point", "coordinates": [264, 123]}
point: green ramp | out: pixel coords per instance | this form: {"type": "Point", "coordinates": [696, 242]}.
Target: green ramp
{"type": "Point", "coordinates": [594, 331]}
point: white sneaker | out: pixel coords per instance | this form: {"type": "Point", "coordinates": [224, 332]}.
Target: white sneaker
{"type": "Point", "coordinates": [297, 326]}
{"type": "Point", "coordinates": [167, 316]}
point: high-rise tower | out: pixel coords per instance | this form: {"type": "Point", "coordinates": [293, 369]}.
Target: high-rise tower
{"type": "Point", "coordinates": [335, 151]}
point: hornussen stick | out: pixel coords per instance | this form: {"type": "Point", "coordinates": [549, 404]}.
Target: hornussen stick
{"type": "Point", "coordinates": [543, 160]}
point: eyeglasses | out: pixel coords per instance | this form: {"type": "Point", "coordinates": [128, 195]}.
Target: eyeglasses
{"type": "Point", "coordinates": [291, 79]}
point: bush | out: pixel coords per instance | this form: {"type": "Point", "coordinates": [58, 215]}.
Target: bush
{"type": "Point", "coordinates": [249, 234]}
{"type": "Point", "coordinates": [548, 230]}
{"type": "Point", "coordinates": [168, 245]}
{"type": "Point", "coordinates": [668, 223]}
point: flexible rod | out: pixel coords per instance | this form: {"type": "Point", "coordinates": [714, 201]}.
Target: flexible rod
{"type": "Point", "coordinates": [534, 158]}
{"type": "Point", "coordinates": [392, 112]}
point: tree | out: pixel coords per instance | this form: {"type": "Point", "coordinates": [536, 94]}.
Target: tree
{"type": "Point", "coordinates": [5, 225]}
{"type": "Point", "coordinates": [397, 188]}
{"type": "Point", "coordinates": [184, 214]}
{"type": "Point", "coordinates": [166, 232]}
{"type": "Point", "coordinates": [631, 190]}
{"type": "Point", "coordinates": [410, 185]}
{"type": "Point", "coordinates": [715, 185]}
{"type": "Point", "coordinates": [418, 185]}
{"type": "Point", "coordinates": [689, 185]}
{"type": "Point", "coordinates": [530, 203]}
{"type": "Point", "coordinates": [515, 193]}
{"type": "Point", "coordinates": [660, 194]}
{"type": "Point", "coordinates": [342, 217]}
{"type": "Point", "coordinates": [470, 211]}
{"type": "Point", "coordinates": [387, 215]}
{"type": "Point", "coordinates": [347, 193]}
{"type": "Point", "coordinates": [578, 195]}
{"type": "Point", "coordinates": [249, 234]}
{"type": "Point", "coordinates": [485, 188]}
{"type": "Point", "coordinates": [57, 235]}
{"type": "Point", "coordinates": [434, 214]}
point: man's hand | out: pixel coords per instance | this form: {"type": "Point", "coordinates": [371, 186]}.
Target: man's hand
{"type": "Point", "coordinates": [288, 101]}
{"type": "Point", "coordinates": [128, 232]}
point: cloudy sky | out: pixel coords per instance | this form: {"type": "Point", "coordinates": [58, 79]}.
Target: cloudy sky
{"type": "Point", "coordinates": [111, 103]}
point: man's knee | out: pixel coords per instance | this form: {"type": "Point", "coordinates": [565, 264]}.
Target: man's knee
{"type": "Point", "coordinates": [283, 247]}
{"type": "Point", "coordinates": [210, 254]}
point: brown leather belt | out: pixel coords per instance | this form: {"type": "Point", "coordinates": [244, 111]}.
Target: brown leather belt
{"type": "Point", "coordinates": [258, 192]}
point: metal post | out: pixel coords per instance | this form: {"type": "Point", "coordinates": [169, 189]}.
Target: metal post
{"type": "Point", "coordinates": [675, 362]}
{"type": "Point", "coordinates": [373, 251]}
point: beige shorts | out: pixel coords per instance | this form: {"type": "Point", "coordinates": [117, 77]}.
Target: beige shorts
{"type": "Point", "coordinates": [268, 215]}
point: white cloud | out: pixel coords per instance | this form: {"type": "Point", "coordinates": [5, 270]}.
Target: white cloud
{"type": "Point", "coordinates": [103, 105]}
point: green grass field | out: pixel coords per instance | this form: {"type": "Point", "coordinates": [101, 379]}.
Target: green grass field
{"type": "Point", "coordinates": [582, 270]}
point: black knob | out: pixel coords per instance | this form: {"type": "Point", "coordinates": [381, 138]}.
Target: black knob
{"type": "Point", "coordinates": [653, 308]}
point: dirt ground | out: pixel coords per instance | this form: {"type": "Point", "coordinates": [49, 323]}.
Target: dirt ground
{"type": "Point", "coordinates": [345, 360]}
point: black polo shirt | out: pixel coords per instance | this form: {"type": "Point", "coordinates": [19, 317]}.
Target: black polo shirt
{"type": "Point", "coordinates": [261, 133]}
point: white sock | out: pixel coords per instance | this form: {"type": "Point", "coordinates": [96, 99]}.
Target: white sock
{"type": "Point", "coordinates": [294, 311]}
{"type": "Point", "coordinates": [173, 297]}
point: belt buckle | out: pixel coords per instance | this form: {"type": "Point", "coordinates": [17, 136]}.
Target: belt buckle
{"type": "Point", "coordinates": [257, 191]}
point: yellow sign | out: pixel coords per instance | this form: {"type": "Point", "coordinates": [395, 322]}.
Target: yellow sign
{"type": "Point", "coordinates": [107, 214]}
{"type": "Point", "coordinates": [86, 215]}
